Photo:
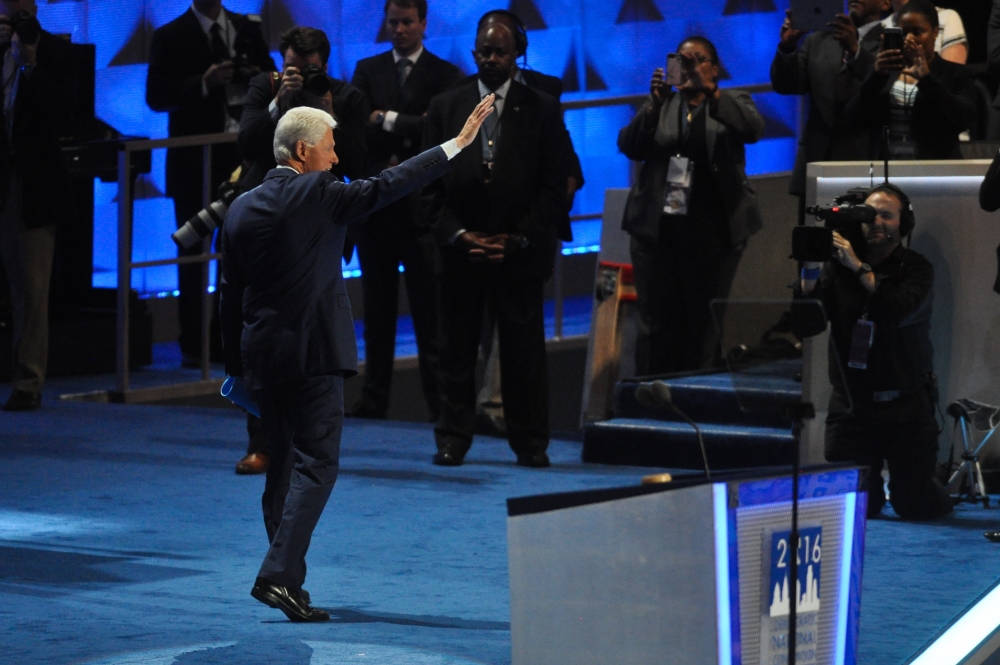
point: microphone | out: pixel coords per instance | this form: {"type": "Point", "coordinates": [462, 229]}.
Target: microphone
{"type": "Point", "coordinates": [656, 395]}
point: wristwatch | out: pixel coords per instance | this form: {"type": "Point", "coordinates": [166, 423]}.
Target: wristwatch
{"type": "Point", "coordinates": [862, 269]}
{"type": "Point", "coordinates": [379, 119]}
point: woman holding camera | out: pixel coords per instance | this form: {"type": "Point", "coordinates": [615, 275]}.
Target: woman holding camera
{"type": "Point", "coordinates": [691, 209]}
{"type": "Point", "coordinates": [924, 100]}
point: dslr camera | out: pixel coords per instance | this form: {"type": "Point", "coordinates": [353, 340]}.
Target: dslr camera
{"type": "Point", "coordinates": [848, 212]}
{"type": "Point", "coordinates": [25, 26]}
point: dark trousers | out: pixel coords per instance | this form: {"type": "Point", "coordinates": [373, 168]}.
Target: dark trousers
{"type": "Point", "coordinates": [26, 255]}
{"type": "Point", "coordinates": [903, 433]}
{"type": "Point", "coordinates": [388, 239]}
{"type": "Point", "coordinates": [517, 306]}
{"type": "Point", "coordinates": [674, 283]}
{"type": "Point", "coordinates": [257, 436]}
{"type": "Point", "coordinates": [303, 422]}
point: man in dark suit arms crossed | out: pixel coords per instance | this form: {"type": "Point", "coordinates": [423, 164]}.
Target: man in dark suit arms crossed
{"type": "Point", "coordinates": [399, 85]}
{"type": "Point", "coordinates": [270, 96]}
{"type": "Point", "coordinates": [32, 190]}
{"type": "Point", "coordinates": [193, 75]}
{"type": "Point", "coordinates": [287, 324]}
{"type": "Point", "coordinates": [494, 215]}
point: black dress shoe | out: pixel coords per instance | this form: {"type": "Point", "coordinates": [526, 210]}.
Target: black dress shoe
{"type": "Point", "coordinates": [448, 457]}
{"type": "Point", "coordinates": [295, 604]}
{"type": "Point", "coordinates": [537, 460]}
{"type": "Point", "coordinates": [993, 536]}
{"type": "Point", "coordinates": [365, 410]}
{"type": "Point", "coordinates": [22, 400]}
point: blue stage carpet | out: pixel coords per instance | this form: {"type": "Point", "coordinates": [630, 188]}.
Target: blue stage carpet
{"type": "Point", "coordinates": [125, 537]}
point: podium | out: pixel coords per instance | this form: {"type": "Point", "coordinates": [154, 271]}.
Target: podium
{"type": "Point", "coordinates": [690, 572]}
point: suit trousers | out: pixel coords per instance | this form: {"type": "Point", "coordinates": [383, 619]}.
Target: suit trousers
{"type": "Point", "coordinates": [517, 306]}
{"type": "Point", "coordinates": [903, 433]}
{"type": "Point", "coordinates": [674, 283]}
{"type": "Point", "coordinates": [384, 242]}
{"type": "Point", "coordinates": [27, 259]}
{"type": "Point", "coordinates": [303, 421]}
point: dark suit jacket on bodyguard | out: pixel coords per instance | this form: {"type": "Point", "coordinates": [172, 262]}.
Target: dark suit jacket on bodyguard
{"type": "Point", "coordinates": [285, 311]}
{"type": "Point", "coordinates": [732, 121]}
{"type": "Point", "coordinates": [526, 192]}
{"type": "Point", "coordinates": [256, 140]}
{"type": "Point", "coordinates": [178, 57]}
{"type": "Point", "coordinates": [817, 68]}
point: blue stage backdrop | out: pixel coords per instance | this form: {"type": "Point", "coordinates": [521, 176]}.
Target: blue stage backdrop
{"type": "Point", "coordinates": [599, 49]}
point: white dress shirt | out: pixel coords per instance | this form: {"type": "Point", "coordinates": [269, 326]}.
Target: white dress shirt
{"type": "Point", "coordinates": [389, 123]}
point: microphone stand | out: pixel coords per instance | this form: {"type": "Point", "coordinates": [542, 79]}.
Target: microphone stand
{"type": "Point", "coordinates": [798, 412]}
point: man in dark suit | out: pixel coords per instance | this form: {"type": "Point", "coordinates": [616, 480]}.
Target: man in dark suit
{"type": "Point", "coordinates": [32, 189]}
{"type": "Point", "coordinates": [199, 66]}
{"type": "Point", "coordinates": [270, 96]}
{"type": "Point", "coordinates": [489, 403]}
{"type": "Point", "coordinates": [828, 66]}
{"type": "Point", "coordinates": [288, 328]}
{"type": "Point", "coordinates": [494, 215]}
{"type": "Point", "coordinates": [399, 85]}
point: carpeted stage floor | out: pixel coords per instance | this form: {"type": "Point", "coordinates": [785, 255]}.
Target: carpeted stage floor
{"type": "Point", "coordinates": [125, 537]}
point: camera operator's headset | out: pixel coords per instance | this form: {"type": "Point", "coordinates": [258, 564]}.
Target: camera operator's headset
{"type": "Point", "coordinates": [520, 30]}
{"type": "Point", "coordinates": [907, 220]}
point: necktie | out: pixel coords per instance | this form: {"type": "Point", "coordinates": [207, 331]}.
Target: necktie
{"type": "Point", "coordinates": [402, 69]}
{"type": "Point", "coordinates": [220, 51]}
{"type": "Point", "coordinates": [491, 127]}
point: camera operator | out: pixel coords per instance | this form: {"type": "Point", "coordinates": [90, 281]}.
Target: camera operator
{"type": "Point", "coordinates": [925, 100]}
{"type": "Point", "coordinates": [691, 210]}
{"type": "Point", "coordinates": [199, 67]}
{"type": "Point", "coordinates": [33, 183]}
{"type": "Point", "coordinates": [878, 298]}
{"type": "Point", "coordinates": [305, 52]}
{"type": "Point", "coordinates": [828, 66]}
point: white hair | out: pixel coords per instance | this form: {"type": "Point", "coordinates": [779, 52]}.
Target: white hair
{"type": "Point", "coordinates": [302, 123]}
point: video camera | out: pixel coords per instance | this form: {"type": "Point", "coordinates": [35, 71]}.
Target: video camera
{"type": "Point", "coordinates": [848, 212]}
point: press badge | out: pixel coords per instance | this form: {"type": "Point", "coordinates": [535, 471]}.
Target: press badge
{"type": "Point", "coordinates": [861, 341]}
{"type": "Point", "coordinates": [679, 174]}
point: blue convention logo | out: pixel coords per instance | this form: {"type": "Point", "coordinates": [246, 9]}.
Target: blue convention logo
{"type": "Point", "coordinates": [810, 556]}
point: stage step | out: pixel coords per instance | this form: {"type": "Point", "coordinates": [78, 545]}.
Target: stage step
{"type": "Point", "coordinates": [660, 443]}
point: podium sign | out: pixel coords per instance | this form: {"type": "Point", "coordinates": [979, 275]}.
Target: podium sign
{"type": "Point", "coordinates": [688, 572]}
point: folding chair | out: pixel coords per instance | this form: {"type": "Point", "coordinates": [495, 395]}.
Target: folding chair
{"type": "Point", "coordinates": [966, 483]}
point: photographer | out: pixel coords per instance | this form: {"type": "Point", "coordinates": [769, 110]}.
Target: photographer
{"type": "Point", "coordinates": [33, 183]}
{"type": "Point", "coordinates": [877, 296]}
{"type": "Point", "coordinates": [691, 209]}
{"type": "Point", "coordinates": [925, 100]}
{"type": "Point", "coordinates": [303, 81]}
{"type": "Point", "coordinates": [305, 52]}
{"type": "Point", "coordinates": [199, 67]}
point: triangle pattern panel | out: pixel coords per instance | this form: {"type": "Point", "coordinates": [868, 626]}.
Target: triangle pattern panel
{"type": "Point", "coordinates": [776, 129]}
{"type": "Point", "coordinates": [275, 19]}
{"type": "Point", "coordinates": [571, 75]}
{"type": "Point", "coordinates": [592, 78]}
{"type": "Point", "coordinates": [748, 7]}
{"type": "Point", "coordinates": [528, 12]}
{"type": "Point", "coordinates": [383, 33]}
{"type": "Point", "coordinates": [135, 50]}
{"type": "Point", "coordinates": [638, 11]}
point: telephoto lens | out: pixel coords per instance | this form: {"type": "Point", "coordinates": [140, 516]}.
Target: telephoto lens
{"type": "Point", "coordinates": [206, 221]}
{"type": "Point", "coordinates": [315, 80]}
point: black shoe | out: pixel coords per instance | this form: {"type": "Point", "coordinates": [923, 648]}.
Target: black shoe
{"type": "Point", "coordinates": [22, 400]}
{"type": "Point", "coordinates": [365, 410]}
{"type": "Point", "coordinates": [448, 457]}
{"type": "Point", "coordinates": [537, 460]}
{"type": "Point", "coordinates": [293, 603]}
{"type": "Point", "coordinates": [993, 536]}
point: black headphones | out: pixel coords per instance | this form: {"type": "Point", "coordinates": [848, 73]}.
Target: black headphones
{"type": "Point", "coordinates": [520, 31]}
{"type": "Point", "coordinates": [907, 220]}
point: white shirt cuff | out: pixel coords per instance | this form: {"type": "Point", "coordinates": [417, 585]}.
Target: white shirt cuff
{"type": "Point", "coordinates": [272, 108]}
{"type": "Point", "coordinates": [389, 123]}
{"type": "Point", "coordinates": [454, 236]}
{"type": "Point", "coordinates": [451, 148]}
{"type": "Point", "coordinates": [204, 88]}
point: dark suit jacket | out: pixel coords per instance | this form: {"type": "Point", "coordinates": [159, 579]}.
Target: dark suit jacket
{"type": "Point", "coordinates": [256, 140]}
{"type": "Point", "coordinates": [526, 193]}
{"type": "Point", "coordinates": [944, 108]}
{"type": "Point", "coordinates": [285, 311]}
{"type": "Point", "coordinates": [178, 57]}
{"type": "Point", "coordinates": [816, 68]}
{"type": "Point", "coordinates": [32, 151]}
{"type": "Point", "coordinates": [732, 122]}
{"type": "Point", "coordinates": [993, 65]}
{"type": "Point", "coordinates": [989, 200]}
{"type": "Point", "coordinates": [378, 79]}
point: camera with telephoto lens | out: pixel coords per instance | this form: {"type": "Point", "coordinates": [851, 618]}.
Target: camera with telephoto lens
{"type": "Point", "coordinates": [243, 69]}
{"type": "Point", "coordinates": [25, 26]}
{"type": "Point", "coordinates": [206, 221]}
{"type": "Point", "coordinates": [315, 81]}
{"type": "Point", "coordinates": [848, 212]}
